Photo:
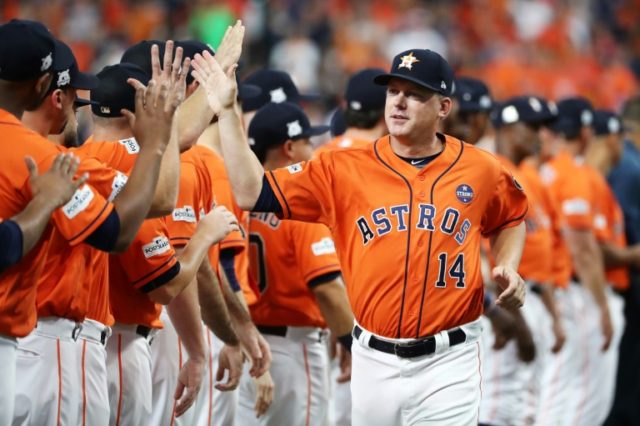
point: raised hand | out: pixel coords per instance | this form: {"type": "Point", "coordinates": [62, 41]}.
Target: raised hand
{"type": "Point", "coordinates": [172, 73]}
{"type": "Point", "coordinates": [57, 185]}
{"type": "Point", "coordinates": [221, 88]}
{"type": "Point", "coordinates": [219, 223]}
{"type": "Point", "coordinates": [230, 47]}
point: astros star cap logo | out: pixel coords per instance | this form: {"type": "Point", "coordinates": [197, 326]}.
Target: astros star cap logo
{"type": "Point", "coordinates": [408, 61]}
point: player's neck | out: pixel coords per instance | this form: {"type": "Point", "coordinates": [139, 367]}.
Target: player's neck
{"type": "Point", "coordinates": [111, 131]}
{"type": "Point", "coordinates": [407, 147]}
{"type": "Point", "coordinates": [37, 122]}
{"type": "Point", "coordinates": [574, 148]}
{"type": "Point", "coordinates": [12, 98]}
{"type": "Point", "coordinates": [211, 138]}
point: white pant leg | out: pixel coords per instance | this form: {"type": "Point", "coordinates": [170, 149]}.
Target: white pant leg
{"type": "Point", "coordinates": [610, 363]}
{"type": "Point", "coordinates": [439, 389]}
{"type": "Point", "coordinates": [340, 401]}
{"type": "Point", "coordinates": [129, 377]}
{"type": "Point", "coordinates": [8, 347]}
{"type": "Point", "coordinates": [93, 374]}
{"type": "Point", "coordinates": [214, 408]}
{"type": "Point", "coordinates": [48, 383]}
{"type": "Point", "coordinates": [299, 369]}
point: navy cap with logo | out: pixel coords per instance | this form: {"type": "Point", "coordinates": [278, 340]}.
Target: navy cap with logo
{"type": "Point", "coordinates": [27, 50]}
{"type": "Point", "coordinates": [363, 94]}
{"type": "Point", "coordinates": [423, 67]}
{"type": "Point", "coordinates": [472, 95]}
{"type": "Point", "coordinates": [573, 115]}
{"type": "Point", "coordinates": [66, 71]}
{"type": "Point", "coordinates": [140, 54]}
{"type": "Point", "coordinates": [522, 109]}
{"type": "Point", "coordinates": [276, 86]}
{"type": "Point", "coordinates": [606, 123]}
{"type": "Point", "coordinates": [276, 123]}
{"type": "Point", "coordinates": [114, 93]}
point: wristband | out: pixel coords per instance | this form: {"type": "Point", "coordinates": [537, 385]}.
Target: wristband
{"type": "Point", "coordinates": [346, 340]}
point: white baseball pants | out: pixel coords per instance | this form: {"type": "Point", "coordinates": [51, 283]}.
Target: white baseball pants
{"type": "Point", "coordinates": [8, 347]}
{"type": "Point", "coordinates": [92, 357]}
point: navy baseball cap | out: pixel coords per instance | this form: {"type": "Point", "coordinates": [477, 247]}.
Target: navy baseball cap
{"type": "Point", "coordinates": [573, 114]}
{"type": "Point", "coordinates": [276, 123]}
{"type": "Point", "coordinates": [423, 67]}
{"type": "Point", "coordinates": [276, 86]}
{"type": "Point", "coordinates": [472, 95]}
{"type": "Point", "coordinates": [140, 54]}
{"type": "Point", "coordinates": [363, 94]}
{"type": "Point", "coordinates": [113, 92]}
{"type": "Point", "coordinates": [66, 71]}
{"type": "Point", "coordinates": [27, 50]}
{"type": "Point", "coordinates": [522, 109]}
{"type": "Point", "coordinates": [338, 125]}
{"type": "Point", "coordinates": [606, 123]}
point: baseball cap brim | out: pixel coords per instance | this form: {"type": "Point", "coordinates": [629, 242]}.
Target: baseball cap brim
{"type": "Point", "coordinates": [84, 81]}
{"type": "Point", "coordinates": [315, 131]}
{"type": "Point", "coordinates": [80, 102]}
{"type": "Point", "coordinates": [248, 91]}
{"type": "Point", "coordinates": [383, 80]}
{"type": "Point", "coordinates": [309, 97]}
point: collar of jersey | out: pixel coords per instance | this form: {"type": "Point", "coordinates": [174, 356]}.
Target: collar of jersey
{"type": "Point", "coordinates": [8, 118]}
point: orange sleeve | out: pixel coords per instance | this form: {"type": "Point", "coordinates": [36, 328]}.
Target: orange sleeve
{"type": "Point", "coordinates": [314, 249]}
{"type": "Point", "coordinates": [507, 206]}
{"type": "Point", "coordinates": [149, 255]}
{"type": "Point", "coordinates": [574, 197]}
{"type": "Point", "coordinates": [182, 222]}
{"type": "Point", "coordinates": [224, 197]}
{"type": "Point", "coordinates": [305, 190]}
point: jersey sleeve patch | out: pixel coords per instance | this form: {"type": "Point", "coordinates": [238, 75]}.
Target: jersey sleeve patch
{"type": "Point", "coordinates": [184, 214]}
{"type": "Point", "coordinates": [79, 202]}
{"type": "Point", "coordinates": [158, 246]}
{"type": "Point", "coordinates": [131, 145]}
{"type": "Point", "coordinates": [322, 247]}
{"type": "Point", "coordinates": [119, 181]}
{"type": "Point", "coordinates": [575, 206]}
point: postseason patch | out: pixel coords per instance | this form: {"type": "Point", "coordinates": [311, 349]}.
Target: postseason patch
{"type": "Point", "coordinates": [464, 193]}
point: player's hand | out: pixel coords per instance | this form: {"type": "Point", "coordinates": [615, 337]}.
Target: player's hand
{"type": "Point", "coordinates": [171, 73]}
{"type": "Point", "coordinates": [221, 87]}
{"type": "Point", "coordinates": [524, 338]}
{"type": "Point", "coordinates": [219, 223]}
{"type": "Point", "coordinates": [57, 185]}
{"type": "Point", "coordinates": [230, 47]}
{"type": "Point", "coordinates": [503, 326]}
{"type": "Point", "coordinates": [230, 359]}
{"type": "Point", "coordinates": [511, 285]}
{"type": "Point", "coordinates": [151, 123]}
{"type": "Point", "coordinates": [256, 348]}
{"type": "Point", "coordinates": [559, 336]}
{"type": "Point", "coordinates": [264, 393]}
{"type": "Point", "coordinates": [344, 359]}
{"type": "Point", "coordinates": [607, 328]}
{"type": "Point", "coordinates": [189, 381]}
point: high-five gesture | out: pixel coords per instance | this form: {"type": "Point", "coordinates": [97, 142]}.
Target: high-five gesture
{"type": "Point", "coordinates": [221, 88]}
{"type": "Point", "coordinates": [230, 47]}
{"type": "Point", "coordinates": [172, 73]}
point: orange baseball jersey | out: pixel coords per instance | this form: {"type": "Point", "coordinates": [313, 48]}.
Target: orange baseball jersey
{"type": "Point", "coordinates": [341, 142]}
{"type": "Point", "coordinates": [608, 224]}
{"type": "Point", "coordinates": [408, 239]}
{"type": "Point", "coordinates": [286, 256]}
{"type": "Point", "coordinates": [536, 261]}
{"type": "Point", "coordinates": [134, 273]}
{"type": "Point", "coordinates": [75, 221]}
{"type": "Point", "coordinates": [570, 189]}
{"type": "Point", "coordinates": [239, 241]}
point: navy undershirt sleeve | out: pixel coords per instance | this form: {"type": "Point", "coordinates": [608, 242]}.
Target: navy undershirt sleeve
{"type": "Point", "coordinates": [104, 238]}
{"type": "Point", "coordinates": [11, 247]}
{"type": "Point", "coordinates": [162, 279]}
{"type": "Point", "coordinates": [267, 201]}
{"type": "Point", "coordinates": [323, 279]}
{"type": "Point", "coordinates": [227, 259]}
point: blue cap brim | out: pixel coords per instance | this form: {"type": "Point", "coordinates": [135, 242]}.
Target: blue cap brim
{"type": "Point", "coordinates": [310, 97]}
{"type": "Point", "coordinates": [80, 102]}
{"type": "Point", "coordinates": [248, 91]}
{"type": "Point", "coordinates": [383, 80]}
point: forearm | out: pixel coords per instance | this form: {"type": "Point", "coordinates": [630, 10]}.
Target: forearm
{"type": "Point", "coordinates": [185, 317]}
{"type": "Point", "coordinates": [239, 314]}
{"type": "Point", "coordinates": [193, 117]}
{"type": "Point", "coordinates": [507, 246]}
{"type": "Point", "coordinates": [166, 193]}
{"type": "Point", "coordinates": [334, 305]}
{"type": "Point", "coordinates": [588, 264]}
{"type": "Point", "coordinates": [32, 221]}
{"type": "Point", "coordinates": [615, 257]}
{"type": "Point", "coordinates": [244, 169]}
{"type": "Point", "coordinates": [549, 301]}
{"type": "Point", "coordinates": [213, 308]}
{"type": "Point", "coordinates": [133, 202]}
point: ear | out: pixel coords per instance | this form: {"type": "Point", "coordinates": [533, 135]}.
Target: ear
{"type": "Point", "coordinates": [56, 98]}
{"type": "Point", "coordinates": [445, 107]}
{"type": "Point", "coordinates": [287, 149]}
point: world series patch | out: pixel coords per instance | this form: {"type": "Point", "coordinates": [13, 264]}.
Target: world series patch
{"type": "Point", "coordinates": [464, 193]}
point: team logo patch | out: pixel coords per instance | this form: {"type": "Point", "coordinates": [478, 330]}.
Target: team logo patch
{"type": "Point", "coordinates": [46, 62]}
{"type": "Point", "coordinates": [131, 145]}
{"type": "Point", "coordinates": [156, 247]}
{"type": "Point", "coordinates": [294, 129]}
{"type": "Point", "coordinates": [295, 168]}
{"type": "Point", "coordinates": [464, 193]}
{"type": "Point", "coordinates": [79, 202]}
{"type": "Point", "coordinates": [117, 185]}
{"type": "Point", "coordinates": [64, 78]}
{"type": "Point", "coordinates": [184, 214]}
{"type": "Point", "coordinates": [278, 96]}
{"type": "Point", "coordinates": [324, 246]}
{"type": "Point", "coordinates": [408, 61]}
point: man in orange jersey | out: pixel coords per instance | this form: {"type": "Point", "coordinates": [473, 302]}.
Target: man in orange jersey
{"type": "Point", "coordinates": [570, 186]}
{"type": "Point", "coordinates": [96, 220]}
{"type": "Point", "coordinates": [297, 272]}
{"type": "Point", "coordinates": [363, 112]}
{"type": "Point", "coordinates": [511, 383]}
{"type": "Point", "coordinates": [413, 191]}
{"type": "Point", "coordinates": [469, 118]}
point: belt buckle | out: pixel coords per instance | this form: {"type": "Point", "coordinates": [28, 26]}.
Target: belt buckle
{"type": "Point", "coordinates": [405, 350]}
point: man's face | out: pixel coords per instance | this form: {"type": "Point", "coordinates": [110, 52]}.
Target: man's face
{"type": "Point", "coordinates": [466, 126]}
{"type": "Point", "coordinates": [411, 111]}
{"type": "Point", "coordinates": [524, 138]}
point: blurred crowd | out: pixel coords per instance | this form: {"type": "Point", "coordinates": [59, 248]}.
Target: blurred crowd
{"type": "Point", "coordinates": [554, 48]}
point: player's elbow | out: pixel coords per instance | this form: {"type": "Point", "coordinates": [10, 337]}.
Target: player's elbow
{"type": "Point", "coordinates": [163, 205]}
{"type": "Point", "coordinates": [162, 295]}
{"type": "Point", "coordinates": [246, 201]}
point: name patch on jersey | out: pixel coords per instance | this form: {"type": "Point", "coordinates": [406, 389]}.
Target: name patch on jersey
{"type": "Point", "coordinates": [117, 185]}
{"type": "Point", "coordinates": [385, 220]}
{"type": "Point", "coordinates": [324, 246]}
{"type": "Point", "coordinates": [576, 206]}
{"type": "Point", "coordinates": [464, 193]}
{"type": "Point", "coordinates": [79, 202]}
{"type": "Point", "coordinates": [269, 219]}
{"type": "Point", "coordinates": [158, 246]}
{"type": "Point", "coordinates": [184, 214]}
{"type": "Point", "coordinates": [295, 168]}
{"type": "Point", "coordinates": [131, 145]}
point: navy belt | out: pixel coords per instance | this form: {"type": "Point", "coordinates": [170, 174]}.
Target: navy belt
{"type": "Point", "coordinates": [274, 330]}
{"type": "Point", "coordinates": [413, 348]}
{"type": "Point", "coordinates": [143, 330]}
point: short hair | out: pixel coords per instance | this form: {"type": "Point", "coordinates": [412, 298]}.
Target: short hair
{"type": "Point", "coordinates": [362, 119]}
{"type": "Point", "coordinates": [631, 111]}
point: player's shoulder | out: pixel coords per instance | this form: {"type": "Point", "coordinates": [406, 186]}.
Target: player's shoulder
{"type": "Point", "coordinates": [479, 158]}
